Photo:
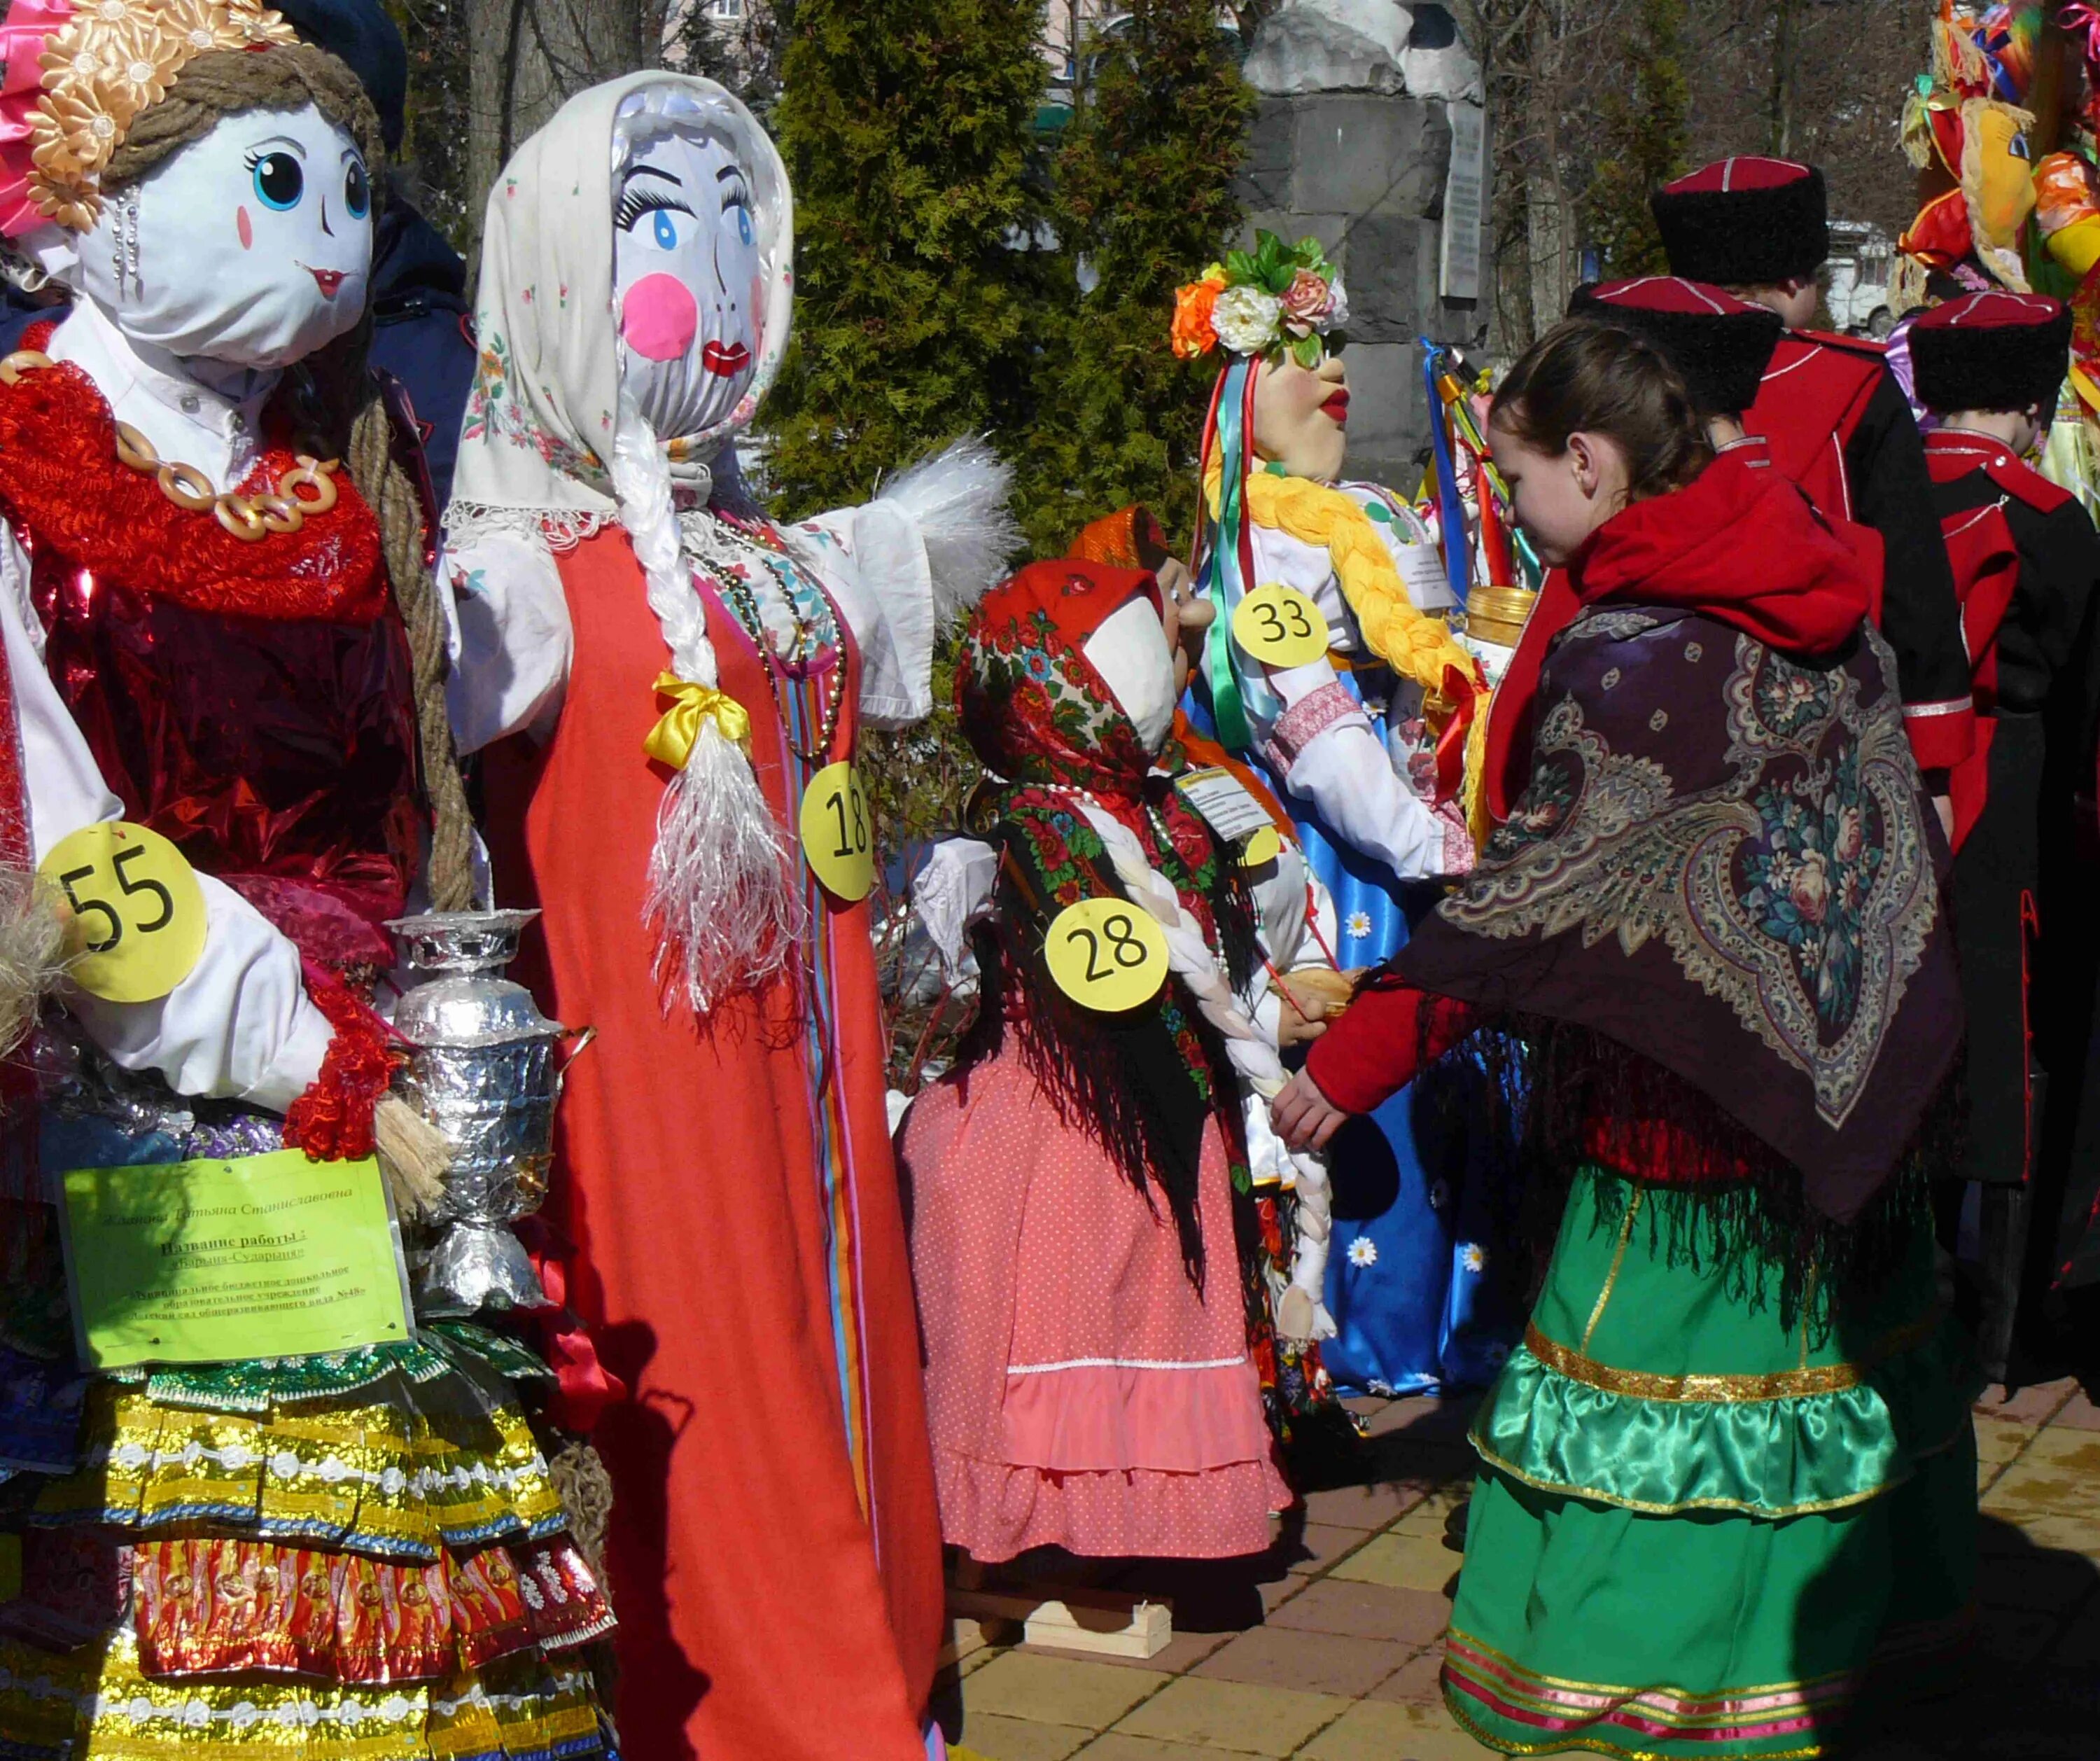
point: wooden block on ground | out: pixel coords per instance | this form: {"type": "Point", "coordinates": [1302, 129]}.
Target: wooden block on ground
{"type": "Point", "coordinates": [1096, 1620]}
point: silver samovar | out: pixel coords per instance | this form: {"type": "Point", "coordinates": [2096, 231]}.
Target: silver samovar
{"type": "Point", "coordinates": [483, 1070]}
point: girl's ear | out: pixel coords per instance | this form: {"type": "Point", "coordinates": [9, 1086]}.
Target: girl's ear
{"type": "Point", "coordinates": [1583, 455]}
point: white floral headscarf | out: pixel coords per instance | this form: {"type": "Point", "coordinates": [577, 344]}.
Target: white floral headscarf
{"type": "Point", "coordinates": [545, 404]}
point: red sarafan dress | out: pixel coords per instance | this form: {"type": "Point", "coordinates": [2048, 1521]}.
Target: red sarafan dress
{"type": "Point", "coordinates": [730, 1188]}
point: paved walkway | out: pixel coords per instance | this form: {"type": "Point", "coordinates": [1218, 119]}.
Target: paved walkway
{"type": "Point", "coordinates": [1327, 1646]}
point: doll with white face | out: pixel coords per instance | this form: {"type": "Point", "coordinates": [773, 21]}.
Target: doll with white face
{"type": "Point", "coordinates": [670, 686]}
{"type": "Point", "coordinates": [216, 599]}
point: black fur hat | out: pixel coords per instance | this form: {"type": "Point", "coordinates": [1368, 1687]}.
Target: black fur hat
{"type": "Point", "coordinates": [1745, 222]}
{"type": "Point", "coordinates": [1990, 351]}
{"type": "Point", "coordinates": [1720, 344]}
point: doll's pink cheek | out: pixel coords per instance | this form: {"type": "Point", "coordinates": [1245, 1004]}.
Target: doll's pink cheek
{"type": "Point", "coordinates": [659, 317]}
{"type": "Point", "coordinates": [246, 230]}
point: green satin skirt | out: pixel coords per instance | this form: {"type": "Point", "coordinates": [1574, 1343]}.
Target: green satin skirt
{"type": "Point", "coordinates": [1694, 1528]}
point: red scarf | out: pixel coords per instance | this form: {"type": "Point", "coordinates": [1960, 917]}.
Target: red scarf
{"type": "Point", "coordinates": [1740, 543]}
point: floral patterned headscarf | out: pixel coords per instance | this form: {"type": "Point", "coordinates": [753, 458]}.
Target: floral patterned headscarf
{"type": "Point", "coordinates": [1034, 709]}
{"type": "Point", "coordinates": [540, 420]}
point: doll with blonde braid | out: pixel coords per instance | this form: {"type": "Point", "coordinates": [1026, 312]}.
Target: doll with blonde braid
{"type": "Point", "coordinates": [1344, 739]}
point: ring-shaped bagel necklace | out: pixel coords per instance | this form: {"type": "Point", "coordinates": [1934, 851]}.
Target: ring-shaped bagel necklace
{"type": "Point", "coordinates": [309, 487]}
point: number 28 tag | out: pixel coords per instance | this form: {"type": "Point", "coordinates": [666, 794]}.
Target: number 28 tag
{"type": "Point", "coordinates": [1280, 626]}
{"type": "Point", "coordinates": [1106, 955]}
{"type": "Point", "coordinates": [838, 840]}
{"type": "Point", "coordinates": [138, 914]}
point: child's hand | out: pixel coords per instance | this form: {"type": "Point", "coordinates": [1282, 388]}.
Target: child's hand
{"type": "Point", "coordinates": [1302, 1116]}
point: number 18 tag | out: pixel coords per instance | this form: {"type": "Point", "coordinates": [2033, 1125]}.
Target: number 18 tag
{"type": "Point", "coordinates": [1106, 955]}
{"type": "Point", "coordinates": [837, 835]}
{"type": "Point", "coordinates": [138, 914]}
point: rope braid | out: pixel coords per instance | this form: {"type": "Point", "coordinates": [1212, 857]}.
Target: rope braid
{"type": "Point", "coordinates": [392, 495]}
{"type": "Point", "coordinates": [325, 387]}
{"type": "Point", "coordinates": [1415, 647]}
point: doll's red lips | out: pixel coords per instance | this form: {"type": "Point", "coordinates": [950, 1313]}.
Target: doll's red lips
{"type": "Point", "coordinates": [329, 279]}
{"type": "Point", "coordinates": [725, 362]}
{"type": "Point", "coordinates": [1337, 408]}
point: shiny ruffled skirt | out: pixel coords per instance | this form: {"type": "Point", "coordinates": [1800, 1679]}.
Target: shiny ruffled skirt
{"type": "Point", "coordinates": [360, 1554]}
{"type": "Point", "coordinates": [1694, 1528]}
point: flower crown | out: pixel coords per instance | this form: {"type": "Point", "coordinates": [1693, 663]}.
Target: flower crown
{"type": "Point", "coordinates": [1276, 300]}
{"type": "Point", "coordinates": [76, 76]}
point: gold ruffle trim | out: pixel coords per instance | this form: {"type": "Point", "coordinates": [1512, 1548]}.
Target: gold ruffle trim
{"type": "Point", "coordinates": [1772, 1385]}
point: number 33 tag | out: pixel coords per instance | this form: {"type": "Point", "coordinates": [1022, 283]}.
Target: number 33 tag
{"type": "Point", "coordinates": [837, 833]}
{"type": "Point", "coordinates": [138, 914]}
{"type": "Point", "coordinates": [1106, 955]}
{"type": "Point", "coordinates": [1280, 626]}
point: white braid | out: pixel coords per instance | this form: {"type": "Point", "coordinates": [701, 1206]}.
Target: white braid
{"type": "Point", "coordinates": [1300, 1315]}
{"type": "Point", "coordinates": [721, 898]}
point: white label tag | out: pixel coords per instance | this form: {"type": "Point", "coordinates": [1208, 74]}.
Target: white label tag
{"type": "Point", "coordinates": [1227, 804]}
{"type": "Point", "coordinates": [1422, 568]}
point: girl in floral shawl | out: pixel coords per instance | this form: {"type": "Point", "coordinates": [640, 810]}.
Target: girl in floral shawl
{"type": "Point", "coordinates": [1713, 922]}
{"type": "Point", "coordinates": [1091, 1375]}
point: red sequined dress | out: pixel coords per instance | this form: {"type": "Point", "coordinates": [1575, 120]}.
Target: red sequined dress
{"type": "Point", "coordinates": [362, 1553]}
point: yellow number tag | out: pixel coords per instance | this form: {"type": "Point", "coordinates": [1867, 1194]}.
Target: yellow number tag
{"type": "Point", "coordinates": [838, 840]}
{"type": "Point", "coordinates": [1279, 626]}
{"type": "Point", "coordinates": [1106, 955]}
{"type": "Point", "coordinates": [1265, 845]}
{"type": "Point", "coordinates": [138, 914]}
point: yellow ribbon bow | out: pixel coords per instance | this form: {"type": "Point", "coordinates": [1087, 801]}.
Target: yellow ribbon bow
{"type": "Point", "coordinates": [671, 741]}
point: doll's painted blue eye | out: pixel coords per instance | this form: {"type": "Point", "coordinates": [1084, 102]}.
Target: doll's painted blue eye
{"type": "Point", "coordinates": [743, 222]}
{"type": "Point", "coordinates": [279, 181]}
{"type": "Point", "coordinates": [665, 228]}
{"type": "Point", "coordinates": [356, 191]}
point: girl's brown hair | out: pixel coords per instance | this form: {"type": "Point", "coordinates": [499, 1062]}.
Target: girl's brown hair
{"type": "Point", "coordinates": [1588, 378]}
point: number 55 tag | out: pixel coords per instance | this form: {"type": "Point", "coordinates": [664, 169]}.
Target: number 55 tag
{"type": "Point", "coordinates": [1106, 955]}
{"type": "Point", "coordinates": [138, 914]}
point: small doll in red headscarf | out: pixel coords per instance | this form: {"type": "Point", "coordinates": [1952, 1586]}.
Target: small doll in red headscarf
{"type": "Point", "coordinates": [1091, 1368]}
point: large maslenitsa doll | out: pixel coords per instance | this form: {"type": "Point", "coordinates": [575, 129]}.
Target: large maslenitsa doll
{"type": "Point", "coordinates": [670, 686]}
{"type": "Point", "coordinates": [219, 635]}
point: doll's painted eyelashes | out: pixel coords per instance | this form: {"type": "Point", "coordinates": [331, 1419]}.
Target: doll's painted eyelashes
{"type": "Point", "coordinates": [634, 203]}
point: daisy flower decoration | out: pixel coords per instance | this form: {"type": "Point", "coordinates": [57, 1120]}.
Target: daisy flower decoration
{"type": "Point", "coordinates": [1275, 301]}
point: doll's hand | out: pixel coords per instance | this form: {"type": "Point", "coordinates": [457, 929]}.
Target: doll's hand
{"type": "Point", "coordinates": [1302, 1116]}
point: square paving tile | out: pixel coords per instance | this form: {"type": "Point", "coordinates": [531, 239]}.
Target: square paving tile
{"type": "Point", "coordinates": [1998, 1441]}
{"type": "Point", "coordinates": [1417, 1681]}
{"type": "Point", "coordinates": [1402, 1562]}
{"type": "Point", "coordinates": [1318, 1546]}
{"type": "Point", "coordinates": [1364, 1506]}
{"type": "Point", "coordinates": [1366, 1611]}
{"type": "Point", "coordinates": [2054, 1531]}
{"type": "Point", "coordinates": [2047, 1582]}
{"type": "Point", "coordinates": [2033, 1406]}
{"type": "Point", "coordinates": [999, 1738]}
{"type": "Point", "coordinates": [1240, 1717]}
{"type": "Point", "coordinates": [2035, 1485]}
{"type": "Point", "coordinates": [2015, 1636]}
{"type": "Point", "coordinates": [1315, 1662]}
{"type": "Point", "coordinates": [1377, 1730]}
{"type": "Point", "coordinates": [1055, 1690]}
{"type": "Point", "coordinates": [2081, 1414]}
{"type": "Point", "coordinates": [1117, 1745]}
{"type": "Point", "coordinates": [1427, 1419]}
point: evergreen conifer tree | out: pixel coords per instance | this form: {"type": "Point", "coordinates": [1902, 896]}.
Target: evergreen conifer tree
{"type": "Point", "coordinates": [908, 132]}
{"type": "Point", "coordinates": [1144, 190]}
{"type": "Point", "coordinates": [1646, 135]}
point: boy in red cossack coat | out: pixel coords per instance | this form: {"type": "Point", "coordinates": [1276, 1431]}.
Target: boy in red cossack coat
{"type": "Point", "coordinates": [2026, 560]}
{"type": "Point", "coordinates": [1835, 421]}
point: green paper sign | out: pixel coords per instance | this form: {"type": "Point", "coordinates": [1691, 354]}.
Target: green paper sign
{"type": "Point", "coordinates": [210, 1262]}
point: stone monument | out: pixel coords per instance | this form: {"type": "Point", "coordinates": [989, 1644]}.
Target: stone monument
{"type": "Point", "coordinates": [1371, 135]}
